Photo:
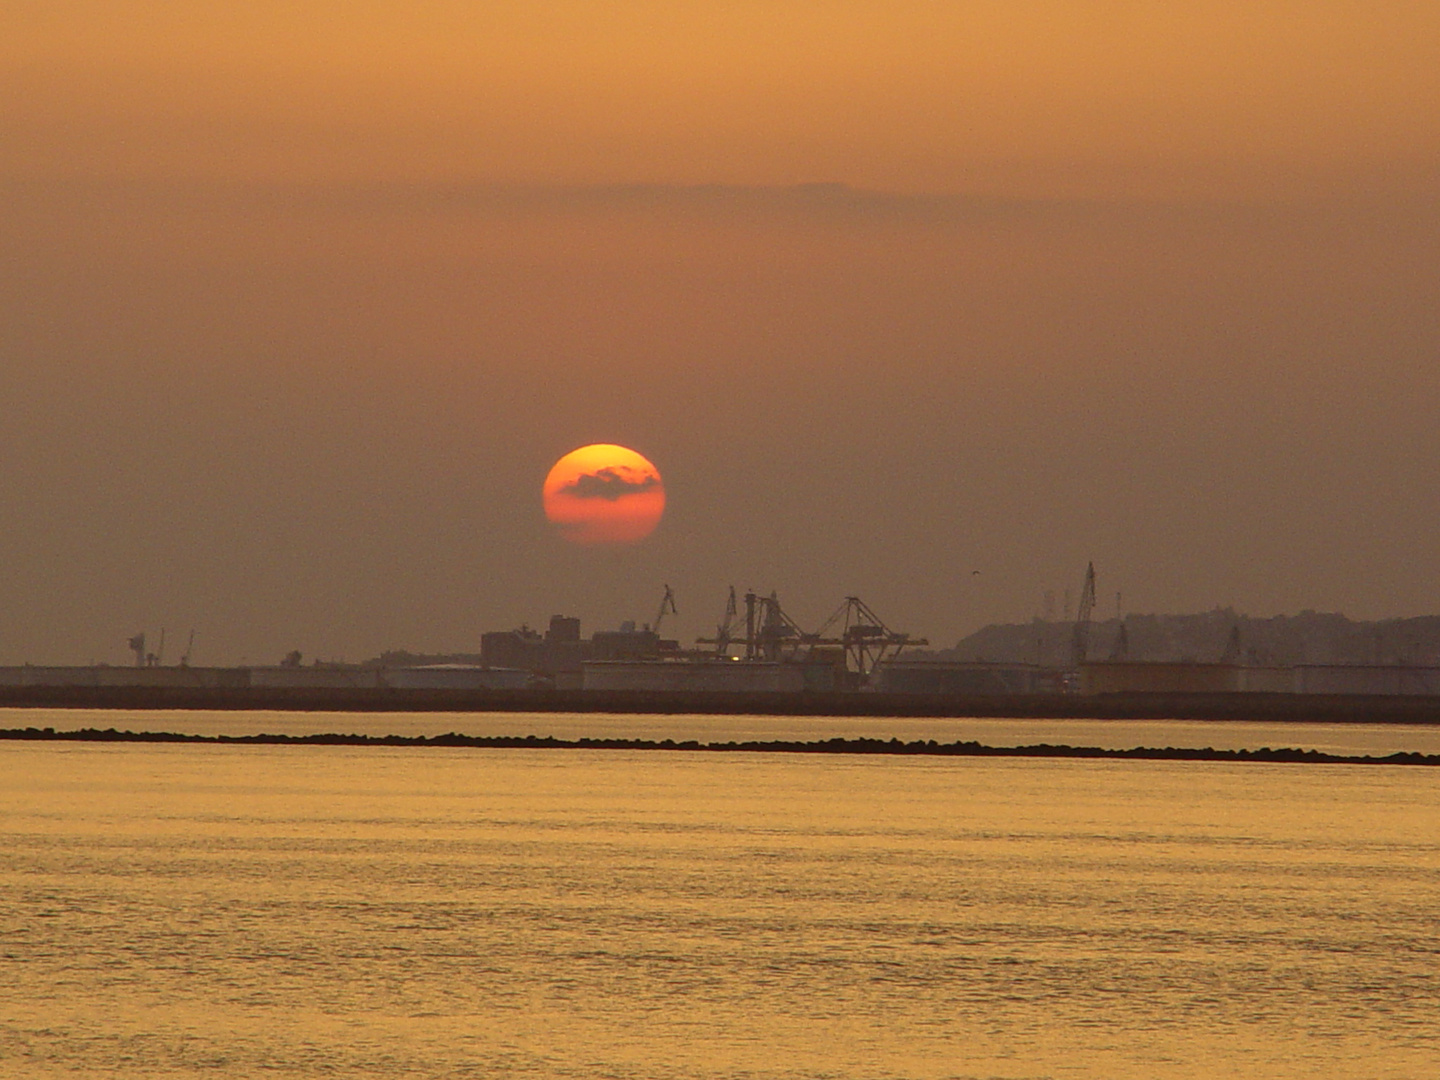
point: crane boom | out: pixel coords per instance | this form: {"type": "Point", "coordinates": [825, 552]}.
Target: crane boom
{"type": "Point", "coordinates": [1080, 640]}
{"type": "Point", "coordinates": [667, 603]}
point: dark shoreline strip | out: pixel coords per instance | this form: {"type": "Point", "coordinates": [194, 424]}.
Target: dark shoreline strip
{"type": "Point", "coordinates": [1263, 707]}
{"type": "Point", "coordinates": [919, 747]}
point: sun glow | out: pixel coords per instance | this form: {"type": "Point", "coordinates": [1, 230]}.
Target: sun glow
{"type": "Point", "coordinates": [604, 494]}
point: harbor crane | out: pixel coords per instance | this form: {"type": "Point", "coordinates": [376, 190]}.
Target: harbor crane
{"type": "Point", "coordinates": [667, 603]}
{"type": "Point", "coordinates": [863, 635]}
{"type": "Point", "coordinates": [772, 635]}
{"type": "Point", "coordinates": [136, 645]}
{"type": "Point", "coordinates": [1080, 638]}
{"type": "Point", "coordinates": [768, 633]}
{"type": "Point", "coordinates": [726, 630]}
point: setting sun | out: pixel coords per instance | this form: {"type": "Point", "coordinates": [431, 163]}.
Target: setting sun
{"type": "Point", "coordinates": [604, 494]}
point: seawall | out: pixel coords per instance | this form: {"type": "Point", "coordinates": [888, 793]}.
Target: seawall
{"type": "Point", "coordinates": [1270, 708]}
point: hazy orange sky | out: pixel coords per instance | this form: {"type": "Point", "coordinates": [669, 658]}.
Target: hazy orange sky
{"type": "Point", "coordinates": [298, 303]}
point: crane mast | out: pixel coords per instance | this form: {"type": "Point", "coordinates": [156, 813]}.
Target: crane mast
{"type": "Point", "coordinates": [725, 632]}
{"type": "Point", "coordinates": [667, 603]}
{"type": "Point", "coordinates": [1080, 639]}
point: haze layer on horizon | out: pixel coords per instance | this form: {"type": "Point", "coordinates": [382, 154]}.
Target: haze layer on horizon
{"type": "Point", "coordinates": [298, 307]}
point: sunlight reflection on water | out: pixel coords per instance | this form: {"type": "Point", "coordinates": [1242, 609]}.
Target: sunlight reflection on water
{"type": "Point", "coordinates": [317, 911]}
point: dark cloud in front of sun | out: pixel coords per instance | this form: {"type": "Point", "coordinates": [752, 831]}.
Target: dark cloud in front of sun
{"type": "Point", "coordinates": [613, 482]}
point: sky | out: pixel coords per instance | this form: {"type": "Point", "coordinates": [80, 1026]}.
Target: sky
{"type": "Point", "coordinates": [300, 303]}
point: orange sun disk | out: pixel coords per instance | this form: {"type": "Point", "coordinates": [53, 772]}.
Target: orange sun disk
{"type": "Point", "coordinates": [604, 494]}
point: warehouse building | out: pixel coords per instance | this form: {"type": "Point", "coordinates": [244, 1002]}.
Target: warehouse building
{"type": "Point", "coordinates": [1388, 679]}
{"type": "Point", "coordinates": [1149, 677]}
{"type": "Point", "coordinates": [714, 676]}
{"type": "Point", "coordinates": [979, 679]}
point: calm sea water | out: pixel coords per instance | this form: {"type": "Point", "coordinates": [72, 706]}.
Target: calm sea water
{"type": "Point", "coordinates": [181, 911]}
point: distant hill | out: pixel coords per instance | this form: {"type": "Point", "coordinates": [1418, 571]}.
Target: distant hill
{"type": "Point", "coordinates": [1307, 638]}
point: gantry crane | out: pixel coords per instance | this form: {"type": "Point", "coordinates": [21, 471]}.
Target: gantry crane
{"type": "Point", "coordinates": [863, 635]}
{"type": "Point", "coordinates": [770, 634]}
